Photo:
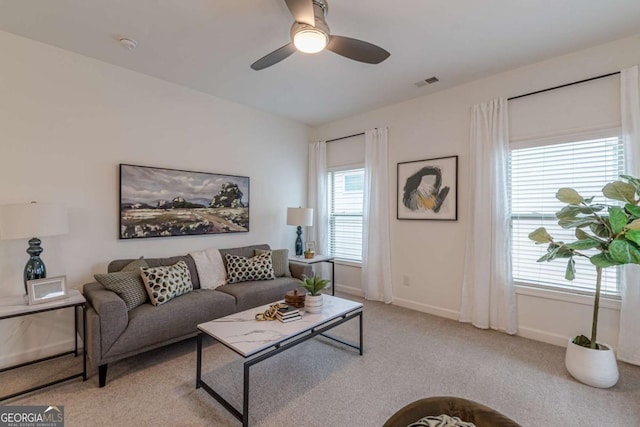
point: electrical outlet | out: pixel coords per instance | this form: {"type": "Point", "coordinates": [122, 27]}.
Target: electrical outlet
{"type": "Point", "coordinates": [405, 280]}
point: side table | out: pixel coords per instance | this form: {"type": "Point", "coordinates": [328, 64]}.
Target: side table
{"type": "Point", "coordinates": [17, 306]}
{"type": "Point", "coordinates": [316, 259]}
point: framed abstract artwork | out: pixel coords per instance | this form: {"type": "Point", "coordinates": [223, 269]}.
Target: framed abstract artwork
{"type": "Point", "coordinates": [157, 202]}
{"type": "Point", "coordinates": [428, 189]}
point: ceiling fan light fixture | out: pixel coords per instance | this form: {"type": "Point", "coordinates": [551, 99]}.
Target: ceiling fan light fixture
{"type": "Point", "coordinates": [310, 40]}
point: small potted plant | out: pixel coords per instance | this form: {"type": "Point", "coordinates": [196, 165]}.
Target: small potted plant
{"type": "Point", "coordinates": [313, 300]}
{"type": "Point", "coordinates": [609, 236]}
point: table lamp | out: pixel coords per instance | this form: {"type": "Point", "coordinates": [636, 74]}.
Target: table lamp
{"type": "Point", "coordinates": [299, 217]}
{"type": "Point", "coordinates": [27, 220]}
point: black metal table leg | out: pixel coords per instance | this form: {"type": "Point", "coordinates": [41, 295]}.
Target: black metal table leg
{"type": "Point", "coordinates": [245, 397]}
{"type": "Point", "coordinates": [199, 360]}
{"type": "Point", "coordinates": [333, 278]}
{"type": "Point", "coordinates": [75, 337]}
{"type": "Point", "coordinates": [361, 346]}
{"type": "Point", "coordinates": [84, 342]}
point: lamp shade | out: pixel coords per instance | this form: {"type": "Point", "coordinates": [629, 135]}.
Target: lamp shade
{"type": "Point", "coordinates": [300, 216]}
{"type": "Point", "coordinates": [24, 221]}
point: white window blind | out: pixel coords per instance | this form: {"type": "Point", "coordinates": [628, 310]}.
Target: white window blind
{"type": "Point", "coordinates": [345, 193]}
{"type": "Point", "coordinates": [536, 173]}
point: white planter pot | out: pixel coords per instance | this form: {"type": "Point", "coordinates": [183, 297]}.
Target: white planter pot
{"type": "Point", "coordinates": [313, 304]}
{"type": "Point", "coordinates": [597, 368]}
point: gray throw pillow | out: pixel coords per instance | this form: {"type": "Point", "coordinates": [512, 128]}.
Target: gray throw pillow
{"type": "Point", "coordinates": [280, 260]}
{"type": "Point", "coordinates": [126, 283]}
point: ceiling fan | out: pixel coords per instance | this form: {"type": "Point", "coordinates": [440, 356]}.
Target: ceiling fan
{"type": "Point", "coordinates": [310, 34]}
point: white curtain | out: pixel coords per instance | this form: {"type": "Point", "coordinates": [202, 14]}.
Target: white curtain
{"type": "Point", "coordinates": [488, 293]}
{"type": "Point", "coordinates": [629, 338]}
{"type": "Point", "coordinates": [376, 254]}
{"type": "Point", "coordinates": [317, 196]}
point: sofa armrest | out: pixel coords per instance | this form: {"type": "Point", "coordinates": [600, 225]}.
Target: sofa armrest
{"type": "Point", "coordinates": [111, 310]}
{"type": "Point", "coordinates": [298, 270]}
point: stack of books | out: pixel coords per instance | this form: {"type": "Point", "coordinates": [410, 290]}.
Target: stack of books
{"type": "Point", "coordinates": [288, 314]}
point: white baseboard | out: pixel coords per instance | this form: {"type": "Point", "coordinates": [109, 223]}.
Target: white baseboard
{"type": "Point", "coordinates": [426, 308]}
{"type": "Point", "coordinates": [38, 353]}
{"type": "Point", "coordinates": [349, 290]}
{"type": "Point", "coordinates": [543, 336]}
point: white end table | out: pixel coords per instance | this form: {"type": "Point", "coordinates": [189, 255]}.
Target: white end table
{"type": "Point", "coordinates": [317, 259]}
{"type": "Point", "coordinates": [17, 306]}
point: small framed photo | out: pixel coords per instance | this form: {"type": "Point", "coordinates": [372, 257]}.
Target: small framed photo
{"type": "Point", "coordinates": [48, 289]}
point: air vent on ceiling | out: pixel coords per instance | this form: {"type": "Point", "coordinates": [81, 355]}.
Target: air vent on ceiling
{"type": "Point", "coordinates": [430, 80]}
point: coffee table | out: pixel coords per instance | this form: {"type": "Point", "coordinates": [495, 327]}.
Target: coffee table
{"type": "Point", "coordinates": [257, 341]}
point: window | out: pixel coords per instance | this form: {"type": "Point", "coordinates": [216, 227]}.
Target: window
{"type": "Point", "coordinates": [537, 171]}
{"type": "Point", "coordinates": [345, 193]}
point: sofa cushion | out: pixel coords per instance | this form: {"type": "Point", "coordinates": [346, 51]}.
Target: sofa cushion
{"type": "Point", "coordinates": [253, 294]}
{"type": "Point", "coordinates": [149, 326]}
{"type": "Point", "coordinates": [280, 260]}
{"type": "Point", "coordinates": [242, 269]}
{"type": "Point", "coordinates": [127, 284]}
{"type": "Point", "coordinates": [167, 282]}
{"type": "Point", "coordinates": [118, 264]}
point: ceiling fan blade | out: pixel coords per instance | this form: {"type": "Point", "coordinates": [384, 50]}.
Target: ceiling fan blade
{"type": "Point", "coordinates": [302, 11]}
{"type": "Point", "coordinates": [357, 50]}
{"type": "Point", "coordinates": [274, 57]}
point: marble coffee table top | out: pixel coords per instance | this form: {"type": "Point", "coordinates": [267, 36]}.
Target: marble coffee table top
{"type": "Point", "coordinates": [247, 336]}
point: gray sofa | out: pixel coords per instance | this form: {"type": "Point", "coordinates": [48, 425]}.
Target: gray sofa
{"type": "Point", "coordinates": [114, 334]}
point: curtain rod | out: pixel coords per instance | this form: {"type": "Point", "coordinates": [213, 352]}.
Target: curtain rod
{"type": "Point", "coordinates": [344, 137]}
{"type": "Point", "coordinates": [564, 85]}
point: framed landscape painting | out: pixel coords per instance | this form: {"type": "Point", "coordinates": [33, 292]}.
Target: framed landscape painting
{"type": "Point", "coordinates": [428, 189]}
{"type": "Point", "coordinates": [157, 202]}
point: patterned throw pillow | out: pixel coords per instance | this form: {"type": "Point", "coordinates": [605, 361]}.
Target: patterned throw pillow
{"type": "Point", "coordinates": [441, 421]}
{"type": "Point", "coordinates": [280, 260]}
{"type": "Point", "coordinates": [167, 282]}
{"type": "Point", "coordinates": [242, 269]}
{"type": "Point", "coordinates": [127, 283]}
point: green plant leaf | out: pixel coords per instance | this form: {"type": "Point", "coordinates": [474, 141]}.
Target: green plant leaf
{"type": "Point", "coordinates": [617, 219]}
{"type": "Point", "coordinates": [582, 341]}
{"type": "Point", "coordinates": [570, 272]}
{"type": "Point", "coordinates": [633, 235]}
{"type": "Point", "coordinates": [633, 181]}
{"type": "Point", "coordinates": [540, 235]}
{"type": "Point", "coordinates": [619, 190]}
{"type": "Point", "coordinates": [564, 252]}
{"type": "Point", "coordinates": [623, 251]}
{"type": "Point", "coordinates": [582, 245]}
{"type": "Point", "coordinates": [602, 260]}
{"type": "Point", "coordinates": [633, 209]}
{"type": "Point", "coordinates": [569, 196]}
{"type": "Point", "coordinates": [578, 222]}
{"type": "Point", "coordinates": [581, 234]}
{"type": "Point", "coordinates": [599, 230]}
{"type": "Point", "coordinates": [588, 200]}
{"type": "Point", "coordinates": [568, 212]}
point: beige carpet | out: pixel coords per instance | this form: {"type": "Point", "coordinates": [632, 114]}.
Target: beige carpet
{"type": "Point", "coordinates": [408, 355]}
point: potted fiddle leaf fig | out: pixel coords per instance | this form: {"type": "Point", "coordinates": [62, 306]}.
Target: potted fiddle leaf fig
{"type": "Point", "coordinates": [313, 300]}
{"type": "Point", "coordinates": [608, 235]}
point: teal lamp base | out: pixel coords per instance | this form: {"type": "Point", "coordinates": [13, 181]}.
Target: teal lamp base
{"type": "Point", "coordinates": [35, 268]}
{"type": "Point", "coordinates": [299, 241]}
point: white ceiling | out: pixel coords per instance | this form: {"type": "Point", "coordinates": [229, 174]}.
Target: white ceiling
{"type": "Point", "coordinates": [208, 45]}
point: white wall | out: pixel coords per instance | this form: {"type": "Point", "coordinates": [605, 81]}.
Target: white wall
{"type": "Point", "coordinates": [66, 123]}
{"type": "Point", "coordinates": [431, 253]}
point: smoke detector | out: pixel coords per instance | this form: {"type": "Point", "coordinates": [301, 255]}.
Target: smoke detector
{"type": "Point", "coordinates": [128, 43]}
